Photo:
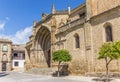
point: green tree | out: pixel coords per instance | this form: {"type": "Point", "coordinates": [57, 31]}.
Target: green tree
{"type": "Point", "coordinates": [61, 56]}
{"type": "Point", "coordinates": [109, 51]}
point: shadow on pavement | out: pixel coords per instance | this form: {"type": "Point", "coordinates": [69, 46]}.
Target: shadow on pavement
{"type": "Point", "coordinates": [3, 74]}
{"type": "Point", "coordinates": [101, 79]}
{"type": "Point", "coordinates": [62, 74]}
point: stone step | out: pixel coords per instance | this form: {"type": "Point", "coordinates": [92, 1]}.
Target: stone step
{"type": "Point", "coordinates": [47, 71]}
{"type": "Point", "coordinates": [42, 71]}
{"type": "Point", "coordinates": [3, 74]}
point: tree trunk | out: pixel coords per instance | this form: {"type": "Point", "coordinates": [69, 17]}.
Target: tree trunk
{"type": "Point", "coordinates": [107, 73]}
{"type": "Point", "coordinates": [106, 69]}
{"type": "Point", "coordinates": [58, 74]}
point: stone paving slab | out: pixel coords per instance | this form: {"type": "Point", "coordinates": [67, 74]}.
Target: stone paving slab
{"type": "Point", "coordinates": [90, 79]}
{"type": "Point", "coordinates": [24, 77]}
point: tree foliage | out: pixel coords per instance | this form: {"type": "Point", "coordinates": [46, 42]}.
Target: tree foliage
{"type": "Point", "coordinates": [62, 56]}
{"type": "Point", "coordinates": [110, 50]}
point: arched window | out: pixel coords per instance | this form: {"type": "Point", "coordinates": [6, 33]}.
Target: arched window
{"type": "Point", "coordinates": [4, 48]}
{"type": "Point", "coordinates": [77, 41]}
{"type": "Point", "coordinates": [108, 32]}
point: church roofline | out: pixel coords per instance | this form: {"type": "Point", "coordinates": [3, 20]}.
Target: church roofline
{"type": "Point", "coordinates": [43, 20]}
{"type": "Point", "coordinates": [5, 40]}
{"type": "Point", "coordinates": [50, 15]}
{"type": "Point", "coordinates": [77, 8]}
{"type": "Point", "coordinates": [60, 12]}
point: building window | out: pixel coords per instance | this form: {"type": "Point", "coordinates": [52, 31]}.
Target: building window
{"type": "Point", "coordinates": [15, 55]}
{"type": "Point", "coordinates": [108, 32]}
{"type": "Point", "coordinates": [4, 48]}
{"type": "Point", "coordinates": [77, 41]}
{"type": "Point", "coordinates": [16, 63]}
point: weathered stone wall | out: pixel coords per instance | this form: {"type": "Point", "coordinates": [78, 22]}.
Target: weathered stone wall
{"type": "Point", "coordinates": [70, 42]}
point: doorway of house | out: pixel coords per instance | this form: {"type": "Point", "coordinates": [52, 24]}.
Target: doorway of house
{"type": "Point", "coordinates": [49, 58]}
{"type": "Point", "coordinates": [4, 66]}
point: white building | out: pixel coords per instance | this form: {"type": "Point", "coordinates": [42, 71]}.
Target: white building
{"type": "Point", "coordinates": [18, 57]}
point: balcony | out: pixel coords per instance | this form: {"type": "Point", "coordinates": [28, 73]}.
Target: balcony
{"type": "Point", "coordinates": [18, 58]}
{"type": "Point", "coordinates": [71, 24]}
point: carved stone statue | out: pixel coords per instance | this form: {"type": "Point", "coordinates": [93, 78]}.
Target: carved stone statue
{"type": "Point", "coordinates": [53, 22]}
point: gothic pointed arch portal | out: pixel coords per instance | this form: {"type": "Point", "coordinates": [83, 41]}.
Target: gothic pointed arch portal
{"type": "Point", "coordinates": [43, 46]}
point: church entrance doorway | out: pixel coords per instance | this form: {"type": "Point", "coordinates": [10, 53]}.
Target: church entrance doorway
{"type": "Point", "coordinates": [49, 58]}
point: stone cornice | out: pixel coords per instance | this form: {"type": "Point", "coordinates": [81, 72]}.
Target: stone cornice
{"type": "Point", "coordinates": [78, 8]}
{"type": "Point", "coordinates": [105, 12]}
{"type": "Point", "coordinates": [60, 41]}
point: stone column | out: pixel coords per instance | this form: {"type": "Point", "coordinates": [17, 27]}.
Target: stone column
{"type": "Point", "coordinates": [32, 56]}
{"type": "Point", "coordinates": [27, 58]}
{"type": "Point", "coordinates": [89, 10]}
{"type": "Point", "coordinates": [8, 66]}
{"type": "Point", "coordinates": [53, 28]}
{"type": "Point", "coordinates": [89, 46]}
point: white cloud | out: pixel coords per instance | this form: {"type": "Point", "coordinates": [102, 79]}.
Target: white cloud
{"type": "Point", "coordinates": [2, 25]}
{"type": "Point", "coordinates": [20, 37]}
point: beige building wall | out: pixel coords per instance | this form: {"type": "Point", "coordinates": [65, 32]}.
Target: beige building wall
{"type": "Point", "coordinates": [5, 55]}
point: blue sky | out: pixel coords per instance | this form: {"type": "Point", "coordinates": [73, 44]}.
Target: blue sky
{"type": "Point", "coordinates": [16, 16]}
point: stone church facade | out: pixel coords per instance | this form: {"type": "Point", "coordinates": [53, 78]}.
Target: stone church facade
{"type": "Point", "coordinates": [81, 31]}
